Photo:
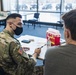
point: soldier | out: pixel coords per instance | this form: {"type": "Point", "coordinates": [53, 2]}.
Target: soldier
{"type": "Point", "coordinates": [13, 60]}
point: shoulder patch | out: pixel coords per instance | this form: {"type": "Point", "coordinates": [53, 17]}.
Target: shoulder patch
{"type": "Point", "coordinates": [20, 51]}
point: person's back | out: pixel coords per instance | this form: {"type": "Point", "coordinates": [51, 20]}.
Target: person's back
{"type": "Point", "coordinates": [61, 60]}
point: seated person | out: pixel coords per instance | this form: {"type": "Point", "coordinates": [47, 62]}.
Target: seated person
{"type": "Point", "coordinates": [61, 60]}
{"type": "Point", "coordinates": [13, 59]}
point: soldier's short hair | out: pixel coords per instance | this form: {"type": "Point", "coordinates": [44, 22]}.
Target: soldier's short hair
{"type": "Point", "coordinates": [13, 15]}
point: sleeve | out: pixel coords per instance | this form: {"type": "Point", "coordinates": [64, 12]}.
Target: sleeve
{"type": "Point", "coordinates": [20, 57]}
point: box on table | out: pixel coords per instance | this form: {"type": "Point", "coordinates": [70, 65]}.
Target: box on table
{"type": "Point", "coordinates": [53, 36]}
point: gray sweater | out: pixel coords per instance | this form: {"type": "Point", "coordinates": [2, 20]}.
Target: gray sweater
{"type": "Point", "coordinates": [60, 60]}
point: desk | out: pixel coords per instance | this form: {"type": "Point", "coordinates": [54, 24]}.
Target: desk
{"type": "Point", "coordinates": [38, 42]}
{"type": "Point", "coordinates": [1, 18]}
{"type": "Point", "coordinates": [43, 23]}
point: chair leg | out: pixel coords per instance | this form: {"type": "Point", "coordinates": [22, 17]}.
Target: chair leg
{"type": "Point", "coordinates": [34, 26]}
{"type": "Point", "coordinates": [28, 25]}
{"type": "Point", "coordinates": [39, 25]}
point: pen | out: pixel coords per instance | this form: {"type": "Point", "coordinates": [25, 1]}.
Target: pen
{"type": "Point", "coordinates": [43, 46]}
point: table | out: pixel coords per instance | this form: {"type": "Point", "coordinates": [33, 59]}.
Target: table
{"type": "Point", "coordinates": [1, 18]}
{"type": "Point", "coordinates": [38, 42]}
{"type": "Point", "coordinates": [44, 23]}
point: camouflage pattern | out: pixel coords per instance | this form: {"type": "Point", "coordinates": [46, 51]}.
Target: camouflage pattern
{"type": "Point", "coordinates": [12, 60]}
{"type": "Point", "coordinates": [38, 70]}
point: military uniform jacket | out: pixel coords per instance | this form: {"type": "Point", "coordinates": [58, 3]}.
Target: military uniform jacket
{"type": "Point", "coordinates": [12, 59]}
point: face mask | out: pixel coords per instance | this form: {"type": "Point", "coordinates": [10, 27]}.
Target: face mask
{"type": "Point", "coordinates": [18, 30]}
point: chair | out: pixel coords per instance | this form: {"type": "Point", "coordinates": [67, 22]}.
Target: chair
{"type": "Point", "coordinates": [2, 22]}
{"type": "Point", "coordinates": [36, 17]}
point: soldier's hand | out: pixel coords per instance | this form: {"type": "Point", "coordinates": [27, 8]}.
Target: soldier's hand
{"type": "Point", "coordinates": [37, 50]}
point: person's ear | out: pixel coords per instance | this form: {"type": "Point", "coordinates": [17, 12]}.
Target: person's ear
{"type": "Point", "coordinates": [67, 33]}
{"type": "Point", "coordinates": [10, 24]}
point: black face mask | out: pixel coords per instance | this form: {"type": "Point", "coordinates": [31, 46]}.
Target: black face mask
{"type": "Point", "coordinates": [18, 30]}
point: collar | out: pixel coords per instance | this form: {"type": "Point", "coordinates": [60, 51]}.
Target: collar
{"type": "Point", "coordinates": [6, 31]}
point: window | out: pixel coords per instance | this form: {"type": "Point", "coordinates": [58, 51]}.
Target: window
{"type": "Point", "coordinates": [46, 8]}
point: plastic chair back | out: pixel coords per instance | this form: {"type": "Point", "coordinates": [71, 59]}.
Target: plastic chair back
{"type": "Point", "coordinates": [36, 15]}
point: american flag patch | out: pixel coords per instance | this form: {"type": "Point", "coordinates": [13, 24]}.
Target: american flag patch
{"type": "Point", "coordinates": [20, 50]}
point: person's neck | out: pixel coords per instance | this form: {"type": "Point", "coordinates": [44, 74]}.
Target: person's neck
{"type": "Point", "coordinates": [71, 42]}
{"type": "Point", "coordinates": [8, 29]}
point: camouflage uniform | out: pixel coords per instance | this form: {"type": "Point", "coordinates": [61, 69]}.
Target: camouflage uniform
{"type": "Point", "coordinates": [12, 58]}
